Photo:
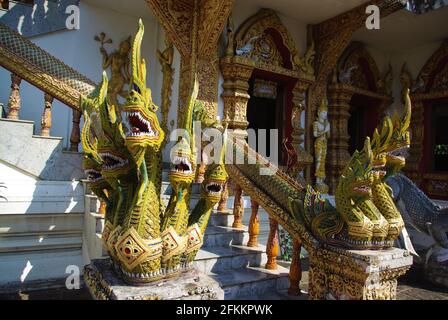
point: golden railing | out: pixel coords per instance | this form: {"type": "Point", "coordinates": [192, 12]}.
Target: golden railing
{"type": "Point", "coordinates": [243, 184]}
{"type": "Point", "coordinates": [26, 61]}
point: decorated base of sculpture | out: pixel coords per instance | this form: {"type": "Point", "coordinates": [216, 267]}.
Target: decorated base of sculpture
{"type": "Point", "coordinates": [105, 284]}
{"type": "Point", "coordinates": [338, 274]}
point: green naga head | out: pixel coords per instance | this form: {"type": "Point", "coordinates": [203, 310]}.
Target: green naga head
{"type": "Point", "coordinates": [356, 179]}
{"type": "Point", "coordinates": [215, 177]}
{"type": "Point", "coordinates": [182, 155]}
{"type": "Point", "coordinates": [139, 112]}
{"type": "Point", "coordinates": [111, 148]}
{"type": "Point", "coordinates": [92, 162]}
{"type": "Point", "coordinates": [400, 141]}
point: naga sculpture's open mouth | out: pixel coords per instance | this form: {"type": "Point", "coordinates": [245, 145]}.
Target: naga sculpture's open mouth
{"type": "Point", "coordinates": [112, 162]}
{"type": "Point", "coordinates": [139, 126]}
{"type": "Point", "coordinates": [214, 188]}
{"type": "Point", "coordinates": [93, 175]}
{"type": "Point", "coordinates": [399, 154]}
{"type": "Point", "coordinates": [362, 188]}
{"type": "Point", "coordinates": [379, 169]}
{"type": "Point", "coordinates": [182, 165]}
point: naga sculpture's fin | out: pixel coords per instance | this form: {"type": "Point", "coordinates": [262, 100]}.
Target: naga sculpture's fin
{"type": "Point", "coordinates": [406, 242]}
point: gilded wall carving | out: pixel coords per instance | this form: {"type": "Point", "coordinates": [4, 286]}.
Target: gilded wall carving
{"type": "Point", "coordinates": [430, 85]}
{"type": "Point", "coordinates": [331, 38]}
{"type": "Point", "coordinates": [194, 27]}
{"type": "Point", "coordinates": [253, 47]}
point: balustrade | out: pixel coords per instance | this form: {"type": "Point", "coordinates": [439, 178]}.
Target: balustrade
{"type": "Point", "coordinates": [222, 205]}
{"type": "Point", "coordinates": [238, 207]}
{"type": "Point", "coordinates": [45, 124]}
{"type": "Point", "coordinates": [272, 248]}
{"type": "Point", "coordinates": [75, 137]}
{"type": "Point", "coordinates": [254, 225]}
{"type": "Point", "coordinates": [14, 102]}
{"type": "Point", "coordinates": [14, 106]}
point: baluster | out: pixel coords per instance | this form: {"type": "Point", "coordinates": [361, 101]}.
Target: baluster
{"type": "Point", "coordinates": [238, 207]}
{"type": "Point", "coordinates": [295, 271]}
{"type": "Point", "coordinates": [45, 123]}
{"type": "Point", "coordinates": [75, 136]}
{"type": "Point", "coordinates": [222, 205]}
{"type": "Point", "coordinates": [272, 245]}
{"type": "Point", "coordinates": [201, 172]}
{"type": "Point", "coordinates": [14, 97]}
{"type": "Point", "coordinates": [254, 225]}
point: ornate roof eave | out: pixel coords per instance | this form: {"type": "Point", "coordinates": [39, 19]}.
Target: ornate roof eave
{"type": "Point", "coordinates": [419, 96]}
{"type": "Point", "coordinates": [355, 90]}
{"type": "Point", "coordinates": [244, 61]}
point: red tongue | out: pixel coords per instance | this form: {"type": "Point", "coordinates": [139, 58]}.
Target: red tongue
{"type": "Point", "coordinates": [135, 130]}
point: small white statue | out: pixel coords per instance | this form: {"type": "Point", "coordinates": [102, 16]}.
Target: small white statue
{"type": "Point", "coordinates": [321, 131]}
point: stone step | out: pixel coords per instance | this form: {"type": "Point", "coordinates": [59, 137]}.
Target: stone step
{"type": "Point", "coordinates": [40, 157]}
{"type": "Point", "coordinates": [92, 203]}
{"type": "Point", "coordinates": [224, 236]}
{"type": "Point", "coordinates": [34, 223]}
{"type": "Point", "coordinates": [40, 241]}
{"type": "Point", "coordinates": [252, 282]}
{"type": "Point", "coordinates": [42, 197]}
{"type": "Point", "coordinates": [18, 269]}
{"type": "Point", "coordinates": [219, 259]}
{"type": "Point", "coordinates": [221, 219]}
{"type": "Point", "coordinates": [281, 295]}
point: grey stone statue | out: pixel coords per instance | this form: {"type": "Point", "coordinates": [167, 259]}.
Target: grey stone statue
{"type": "Point", "coordinates": [421, 213]}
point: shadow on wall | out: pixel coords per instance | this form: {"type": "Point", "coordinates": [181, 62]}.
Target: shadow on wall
{"type": "Point", "coordinates": [44, 16]}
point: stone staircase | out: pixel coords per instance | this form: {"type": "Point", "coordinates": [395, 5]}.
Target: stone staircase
{"type": "Point", "coordinates": [238, 268]}
{"type": "Point", "coordinates": [224, 256]}
{"type": "Point", "coordinates": [41, 208]}
{"type": "Point", "coordinates": [49, 220]}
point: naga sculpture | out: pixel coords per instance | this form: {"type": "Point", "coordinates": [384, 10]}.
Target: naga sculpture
{"type": "Point", "coordinates": [365, 216]}
{"type": "Point", "coordinates": [123, 162]}
{"type": "Point", "coordinates": [421, 212]}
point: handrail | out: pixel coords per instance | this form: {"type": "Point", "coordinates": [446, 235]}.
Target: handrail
{"type": "Point", "coordinates": [33, 64]}
{"type": "Point", "coordinates": [270, 193]}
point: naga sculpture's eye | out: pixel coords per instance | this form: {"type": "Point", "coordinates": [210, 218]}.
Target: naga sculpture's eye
{"type": "Point", "coordinates": [136, 88]}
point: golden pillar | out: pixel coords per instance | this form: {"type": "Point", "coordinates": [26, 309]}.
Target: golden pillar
{"type": "Point", "coordinates": [304, 159]}
{"type": "Point", "coordinates": [417, 134]}
{"type": "Point", "coordinates": [235, 96]}
{"type": "Point", "coordinates": [338, 144]}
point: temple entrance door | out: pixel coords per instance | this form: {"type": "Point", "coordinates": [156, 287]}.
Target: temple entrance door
{"type": "Point", "coordinates": [364, 118]}
{"type": "Point", "coordinates": [266, 113]}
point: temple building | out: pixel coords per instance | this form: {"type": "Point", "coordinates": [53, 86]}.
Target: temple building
{"type": "Point", "coordinates": [321, 74]}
